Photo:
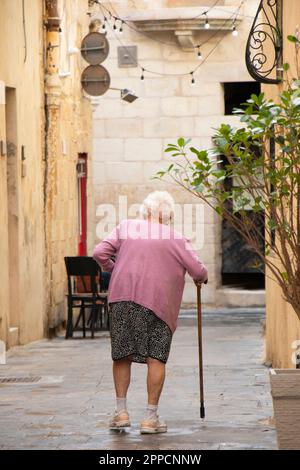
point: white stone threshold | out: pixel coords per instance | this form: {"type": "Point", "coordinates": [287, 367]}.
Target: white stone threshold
{"type": "Point", "coordinates": [236, 297]}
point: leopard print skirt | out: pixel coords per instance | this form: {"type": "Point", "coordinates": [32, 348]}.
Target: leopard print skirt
{"type": "Point", "coordinates": [136, 332]}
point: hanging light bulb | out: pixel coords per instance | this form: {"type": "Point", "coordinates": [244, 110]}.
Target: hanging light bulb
{"type": "Point", "coordinates": [199, 55]}
{"type": "Point", "coordinates": [104, 24]}
{"type": "Point", "coordinates": [142, 76]}
{"type": "Point", "coordinates": [207, 25]}
{"type": "Point", "coordinates": [193, 79]}
{"type": "Point", "coordinates": [115, 26]}
{"type": "Point", "coordinates": [234, 31]}
{"type": "Point", "coordinates": [121, 27]}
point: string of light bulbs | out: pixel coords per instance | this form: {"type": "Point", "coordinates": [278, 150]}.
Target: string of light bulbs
{"type": "Point", "coordinates": [118, 20]}
{"type": "Point", "coordinates": [204, 12]}
{"type": "Point", "coordinates": [207, 26]}
{"type": "Point", "coordinates": [143, 69]}
{"type": "Point", "coordinates": [196, 47]}
{"type": "Point", "coordinates": [195, 17]}
{"type": "Point", "coordinates": [192, 73]}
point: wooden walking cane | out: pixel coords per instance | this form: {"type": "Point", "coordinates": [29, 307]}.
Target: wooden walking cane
{"type": "Point", "coordinates": [202, 409]}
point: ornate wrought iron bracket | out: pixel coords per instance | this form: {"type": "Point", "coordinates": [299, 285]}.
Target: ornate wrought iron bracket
{"type": "Point", "coordinates": [264, 45]}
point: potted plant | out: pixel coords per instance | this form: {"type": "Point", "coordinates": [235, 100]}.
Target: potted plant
{"type": "Point", "coordinates": [257, 167]}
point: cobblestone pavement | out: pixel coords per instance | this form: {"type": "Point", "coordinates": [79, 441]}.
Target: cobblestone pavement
{"type": "Point", "coordinates": [68, 407]}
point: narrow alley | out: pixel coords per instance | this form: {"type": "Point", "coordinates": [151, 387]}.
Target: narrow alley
{"type": "Point", "coordinates": [68, 402]}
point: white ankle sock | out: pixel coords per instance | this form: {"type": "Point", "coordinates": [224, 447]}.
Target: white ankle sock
{"type": "Point", "coordinates": [121, 404]}
{"type": "Point", "coordinates": [151, 411]}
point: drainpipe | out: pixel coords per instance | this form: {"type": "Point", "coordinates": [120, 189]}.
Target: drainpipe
{"type": "Point", "coordinates": [52, 132]}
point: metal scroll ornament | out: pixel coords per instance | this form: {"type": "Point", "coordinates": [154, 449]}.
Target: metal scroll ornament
{"type": "Point", "coordinates": [264, 45]}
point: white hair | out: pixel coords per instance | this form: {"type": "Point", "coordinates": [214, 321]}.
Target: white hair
{"type": "Point", "coordinates": [158, 205]}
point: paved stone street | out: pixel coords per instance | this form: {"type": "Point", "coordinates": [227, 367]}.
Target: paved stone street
{"type": "Point", "coordinates": [68, 407]}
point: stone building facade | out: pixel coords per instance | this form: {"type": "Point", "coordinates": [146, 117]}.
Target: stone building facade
{"type": "Point", "coordinates": [44, 127]}
{"type": "Point", "coordinates": [129, 139]}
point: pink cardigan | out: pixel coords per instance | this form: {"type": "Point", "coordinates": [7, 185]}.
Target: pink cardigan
{"type": "Point", "coordinates": [151, 262]}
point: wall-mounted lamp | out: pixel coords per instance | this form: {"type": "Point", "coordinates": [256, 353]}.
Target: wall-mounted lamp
{"type": "Point", "coordinates": [126, 95]}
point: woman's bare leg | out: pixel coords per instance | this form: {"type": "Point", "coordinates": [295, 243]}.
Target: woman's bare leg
{"type": "Point", "coordinates": [155, 380]}
{"type": "Point", "coordinates": [122, 374]}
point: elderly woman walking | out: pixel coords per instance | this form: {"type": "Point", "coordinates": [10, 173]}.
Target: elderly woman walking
{"type": "Point", "coordinates": [145, 294]}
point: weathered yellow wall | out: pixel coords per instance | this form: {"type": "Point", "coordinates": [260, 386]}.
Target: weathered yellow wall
{"type": "Point", "coordinates": [282, 328]}
{"type": "Point", "coordinates": [45, 220]}
{"type": "Point", "coordinates": [71, 117]}
{"type": "Point", "coordinates": [282, 325]}
{"type": "Point", "coordinates": [25, 77]}
{"type": "Point", "coordinates": [4, 281]}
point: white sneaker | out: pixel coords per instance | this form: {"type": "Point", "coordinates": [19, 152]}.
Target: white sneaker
{"type": "Point", "coordinates": [153, 426]}
{"type": "Point", "coordinates": [119, 420]}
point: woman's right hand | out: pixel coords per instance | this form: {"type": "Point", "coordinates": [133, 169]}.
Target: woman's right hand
{"type": "Point", "coordinates": [199, 283]}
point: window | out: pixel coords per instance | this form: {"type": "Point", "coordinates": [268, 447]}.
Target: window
{"type": "Point", "coordinates": [236, 93]}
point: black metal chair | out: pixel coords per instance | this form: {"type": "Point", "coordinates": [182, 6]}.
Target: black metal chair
{"type": "Point", "coordinates": [84, 291]}
{"type": "Point", "coordinates": [104, 285]}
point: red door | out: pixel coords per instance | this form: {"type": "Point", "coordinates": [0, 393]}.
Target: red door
{"type": "Point", "coordinates": [82, 203]}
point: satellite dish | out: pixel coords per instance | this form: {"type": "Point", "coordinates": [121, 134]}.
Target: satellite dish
{"type": "Point", "coordinates": [95, 80]}
{"type": "Point", "coordinates": [94, 48]}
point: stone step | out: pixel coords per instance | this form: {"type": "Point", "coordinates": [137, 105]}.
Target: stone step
{"type": "Point", "coordinates": [235, 297]}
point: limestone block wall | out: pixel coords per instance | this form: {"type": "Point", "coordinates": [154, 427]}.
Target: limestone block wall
{"type": "Point", "coordinates": [129, 139]}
